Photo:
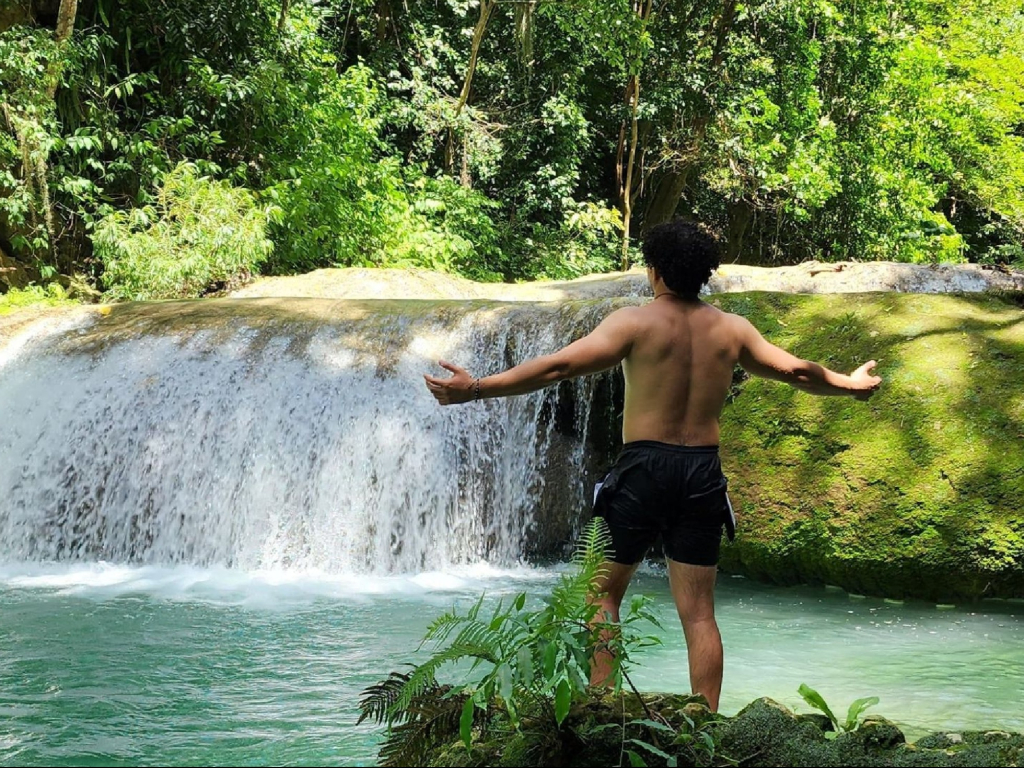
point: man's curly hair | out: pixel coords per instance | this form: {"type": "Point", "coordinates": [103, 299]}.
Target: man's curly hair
{"type": "Point", "coordinates": [683, 254]}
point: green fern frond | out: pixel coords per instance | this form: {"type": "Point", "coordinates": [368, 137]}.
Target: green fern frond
{"type": "Point", "coordinates": [441, 628]}
{"type": "Point", "coordinates": [377, 701]}
{"type": "Point", "coordinates": [594, 546]}
{"type": "Point", "coordinates": [481, 636]}
{"type": "Point", "coordinates": [474, 642]}
{"type": "Point", "coordinates": [431, 721]}
{"type": "Point", "coordinates": [592, 552]}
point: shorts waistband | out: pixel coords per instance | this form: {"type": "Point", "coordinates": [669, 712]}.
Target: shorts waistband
{"type": "Point", "coordinates": [670, 447]}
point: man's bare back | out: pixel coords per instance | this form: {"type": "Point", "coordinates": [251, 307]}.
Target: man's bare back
{"type": "Point", "coordinates": [678, 355]}
{"type": "Point", "coordinates": [678, 371]}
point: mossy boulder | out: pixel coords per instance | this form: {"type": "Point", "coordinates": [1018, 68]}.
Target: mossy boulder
{"type": "Point", "coordinates": [764, 733]}
{"type": "Point", "coordinates": [916, 493]}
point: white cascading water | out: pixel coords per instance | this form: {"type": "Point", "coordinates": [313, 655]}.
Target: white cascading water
{"type": "Point", "coordinates": [285, 434]}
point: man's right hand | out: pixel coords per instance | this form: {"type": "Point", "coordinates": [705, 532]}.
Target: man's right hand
{"type": "Point", "coordinates": [863, 382]}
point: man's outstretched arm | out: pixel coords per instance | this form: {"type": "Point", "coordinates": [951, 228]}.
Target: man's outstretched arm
{"type": "Point", "coordinates": [604, 348]}
{"type": "Point", "coordinates": [762, 358]}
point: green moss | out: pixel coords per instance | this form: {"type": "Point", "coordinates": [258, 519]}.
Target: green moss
{"type": "Point", "coordinates": [764, 733]}
{"type": "Point", "coordinates": [52, 295]}
{"type": "Point", "coordinates": [915, 493]}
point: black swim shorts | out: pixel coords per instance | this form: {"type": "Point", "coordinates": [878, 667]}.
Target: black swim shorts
{"type": "Point", "coordinates": [673, 490]}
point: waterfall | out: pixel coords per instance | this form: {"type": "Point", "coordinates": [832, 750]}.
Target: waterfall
{"type": "Point", "coordinates": [294, 433]}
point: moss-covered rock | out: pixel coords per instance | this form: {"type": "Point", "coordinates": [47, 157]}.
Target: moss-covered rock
{"type": "Point", "coordinates": [764, 733]}
{"type": "Point", "coordinates": [916, 493]}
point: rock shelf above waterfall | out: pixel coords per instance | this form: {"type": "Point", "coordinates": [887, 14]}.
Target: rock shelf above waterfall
{"type": "Point", "coordinates": [809, 277]}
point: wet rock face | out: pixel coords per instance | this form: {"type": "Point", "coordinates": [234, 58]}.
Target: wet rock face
{"type": "Point", "coordinates": [12, 273]}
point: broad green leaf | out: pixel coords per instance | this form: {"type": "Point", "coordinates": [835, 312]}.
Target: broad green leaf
{"type": "Point", "coordinates": [563, 700]}
{"type": "Point", "coordinates": [550, 661]}
{"type": "Point", "coordinates": [504, 673]}
{"type": "Point", "coordinates": [650, 748]}
{"type": "Point", "coordinates": [635, 760]}
{"type": "Point", "coordinates": [815, 699]}
{"type": "Point", "coordinates": [466, 722]}
{"type": "Point", "coordinates": [520, 601]}
{"type": "Point", "coordinates": [857, 709]}
{"type": "Point", "coordinates": [524, 665]}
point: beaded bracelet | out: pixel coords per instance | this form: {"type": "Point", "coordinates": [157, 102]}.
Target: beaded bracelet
{"type": "Point", "coordinates": [476, 389]}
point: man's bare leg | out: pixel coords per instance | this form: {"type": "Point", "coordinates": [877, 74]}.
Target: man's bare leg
{"type": "Point", "coordinates": [693, 588]}
{"type": "Point", "coordinates": [611, 587]}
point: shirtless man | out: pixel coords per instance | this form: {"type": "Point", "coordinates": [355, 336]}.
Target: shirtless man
{"type": "Point", "coordinates": [678, 355]}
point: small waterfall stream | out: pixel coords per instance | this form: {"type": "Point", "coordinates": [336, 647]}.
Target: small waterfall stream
{"type": "Point", "coordinates": [294, 433]}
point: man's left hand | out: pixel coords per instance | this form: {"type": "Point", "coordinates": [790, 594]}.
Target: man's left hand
{"type": "Point", "coordinates": [457, 389]}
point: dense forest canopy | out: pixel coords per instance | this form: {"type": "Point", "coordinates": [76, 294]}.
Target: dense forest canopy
{"type": "Point", "coordinates": [173, 147]}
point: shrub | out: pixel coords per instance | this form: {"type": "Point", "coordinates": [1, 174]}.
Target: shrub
{"type": "Point", "coordinates": [199, 235]}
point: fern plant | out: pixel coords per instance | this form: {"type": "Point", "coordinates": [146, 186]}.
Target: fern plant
{"type": "Point", "coordinates": [526, 663]}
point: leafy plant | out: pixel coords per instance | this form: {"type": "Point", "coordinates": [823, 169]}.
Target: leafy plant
{"type": "Point", "coordinates": [853, 714]}
{"type": "Point", "coordinates": [640, 736]}
{"type": "Point", "coordinates": [527, 665]}
{"type": "Point", "coordinates": [198, 235]}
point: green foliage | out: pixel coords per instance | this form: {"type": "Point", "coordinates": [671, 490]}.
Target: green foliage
{"type": "Point", "coordinates": [198, 236]}
{"type": "Point", "coordinates": [52, 295]}
{"type": "Point", "coordinates": [588, 241]}
{"type": "Point", "coordinates": [337, 203]}
{"type": "Point", "coordinates": [853, 714]}
{"type": "Point", "coordinates": [642, 739]}
{"type": "Point", "coordinates": [798, 128]}
{"type": "Point", "coordinates": [444, 226]}
{"type": "Point", "coordinates": [526, 663]}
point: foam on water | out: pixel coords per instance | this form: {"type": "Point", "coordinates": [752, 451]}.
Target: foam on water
{"type": "Point", "coordinates": [274, 588]}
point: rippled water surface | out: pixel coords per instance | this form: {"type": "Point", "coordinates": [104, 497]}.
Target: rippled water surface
{"type": "Point", "coordinates": [108, 665]}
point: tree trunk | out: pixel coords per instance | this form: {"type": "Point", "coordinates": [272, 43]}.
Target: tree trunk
{"type": "Point", "coordinates": [633, 96]}
{"type": "Point", "coordinates": [284, 15]}
{"type": "Point", "coordinates": [383, 17]}
{"type": "Point", "coordinates": [739, 219]}
{"type": "Point", "coordinates": [486, 6]}
{"type": "Point", "coordinates": [627, 187]}
{"type": "Point", "coordinates": [666, 198]}
{"type": "Point", "coordinates": [524, 31]}
{"type": "Point", "coordinates": [65, 26]}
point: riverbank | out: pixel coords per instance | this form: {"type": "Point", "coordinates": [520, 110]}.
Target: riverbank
{"type": "Point", "coordinates": [604, 731]}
